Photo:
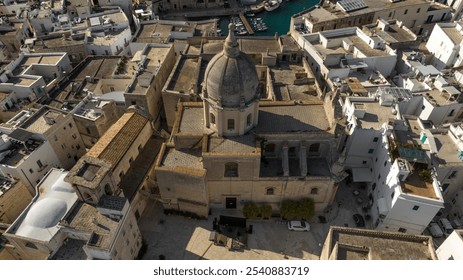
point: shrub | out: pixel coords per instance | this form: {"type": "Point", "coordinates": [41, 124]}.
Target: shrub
{"type": "Point", "coordinates": [302, 209]}
{"type": "Point", "coordinates": [305, 209]}
{"type": "Point", "coordinates": [288, 209]}
{"type": "Point", "coordinates": [266, 211]}
{"type": "Point", "coordinates": [251, 210]}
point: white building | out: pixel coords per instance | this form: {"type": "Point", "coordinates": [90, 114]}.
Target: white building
{"type": "Point", "coordinates": [57, 225]}
{"type": "Point", "coordinates": [347, 52]}
{"type": "Point", "coordinates": [452, 248]}
{"type": "Point", "coordinates": [448, 163]}
{"type": "Point", "coordinates": [445, 44]}
{"type": "Point", "coordinates": [29, 78]}
{"type": "Point", "coordinates": [400, 199]}
{"type": "Point", "coordinates": [108, 33]}
{"type": "Point", "coordinates": [26, 157]}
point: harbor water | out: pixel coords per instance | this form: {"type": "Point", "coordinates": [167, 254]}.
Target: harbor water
{"type": "Point", "coordinates": [277, 20]}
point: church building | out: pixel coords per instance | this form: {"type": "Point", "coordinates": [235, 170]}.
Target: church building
{"type": "Point", "coordinates": [232, 148]}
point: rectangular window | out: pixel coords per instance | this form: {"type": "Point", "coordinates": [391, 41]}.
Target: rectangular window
{"type": "Point", "coordinates": [392, 194]}
{"type": "Point", "coordinates": [370, 151]}
{"type": "Point", "coordinates": [385, 163]}
{"type": "Point", "coordinates": [31, 245]}
{"type": "Point", "coordinates": [402, 230]}
{"type": "Point", "coordinates": [453, 175]}
{"type": "Point", "coordinates": [418, 10]}
{"type": "Point", "coordinates": [39, 163]}
{"type": "Point", "coordinates": [375, 139]}
{"type": "Point", "coordinates": [444, 187]}
{"type": "Point", "coordinates": [31, 171]}
{"type": "Point", "coordinates": [416, 207]}
{"type": "Point", "coordinates": [70, 125]}
{"type": "Point", "coordinates": [405, 12]}
{"type": "Point", "coordinates": [230, 124]}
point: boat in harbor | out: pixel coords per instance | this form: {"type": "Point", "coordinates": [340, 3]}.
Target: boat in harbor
{"type": "Point", "coordinates": [272, 5]}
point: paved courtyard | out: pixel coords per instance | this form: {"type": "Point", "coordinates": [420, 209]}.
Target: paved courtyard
{"type": "Point", "coordinates": [180, 238]}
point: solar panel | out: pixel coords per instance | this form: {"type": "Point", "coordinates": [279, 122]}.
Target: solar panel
{"type": "Point", "coordinates": [352, 5]}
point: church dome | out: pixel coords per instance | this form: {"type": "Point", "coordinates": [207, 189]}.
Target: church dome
{"type": "Point", "coordinates": [231, 76]}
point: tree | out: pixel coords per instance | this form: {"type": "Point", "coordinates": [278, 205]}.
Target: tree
{"type": "Point", "coordinates": [305, 208]}
{"type": "Point", "coordinates": [288, 209]}
{"type": "Point", "coordinates": [250, 210]}
{"type": "Point", "coordinates": [266, 211]}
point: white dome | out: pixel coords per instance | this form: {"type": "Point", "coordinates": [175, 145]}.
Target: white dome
{"type": "Point", "coordinates": [46, 213]}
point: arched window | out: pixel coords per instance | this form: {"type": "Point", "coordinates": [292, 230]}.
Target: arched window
{"type": "Point", "coordinates": [212, 117]}
{"type": "Point", "coordinates": [314, 191]}
{"type": "Point", "coordinates": [231, 169]}
{"type": "Point", "coordinates": [249, 120]}
{"type": "Point", "coordinates": [270, 191]}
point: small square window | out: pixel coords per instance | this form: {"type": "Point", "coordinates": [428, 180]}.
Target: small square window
{"type": "Point", "coordinates": [375, 139]}
{"type": "Point", "coordinates": [364, 162]}
{"type": "Point", "coordinates": [416, 207]}
{"type": "Point", "coordinates": [370, 151]}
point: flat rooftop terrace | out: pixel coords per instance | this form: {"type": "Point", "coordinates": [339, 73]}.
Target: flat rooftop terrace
{"type": "Point", "coordinates": [332, 11]}
{"type": "Point", "coordinates": [375, 114]}
{"type": "Point", "coordinates": [38, 123]}
{"type": "Point", "coordinates": [274, 117]}
{"type": "Point", "coordinates": [153, 32]}
{"type": "Point", "coordinates": [381, 245]}
{"type": "Point", "coordinates": [183, 79]}
{"type": "Point", "coordinates": [447, 151]}
{"type": "Point", "coordinates": [285, 87]}
{"type": "Point", "coordinates": [41, 59]}
{"type": "Point", "coordinates": [232, 145]}
{"type": "Point", "coordinates": [454, 35]}
{"type": "Point", "coordinates": [186, 158]}
{"type": "Point", "coordinates": [22, 81]}
{"type": "Point", "coordinates": [416, 186]}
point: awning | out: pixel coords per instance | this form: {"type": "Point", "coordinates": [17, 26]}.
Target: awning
{"type": "Point", "coordinates": [362, 174]}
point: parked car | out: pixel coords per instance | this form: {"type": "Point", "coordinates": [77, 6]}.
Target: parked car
{"type": "Point", "coordinates": [456, 224]}
{"type": "Point", "coordinates": [359, 221]}
{"type": "Point", "coordinates": [298, 226]}
{"type": "Point", "coordinates": [445, 226]}
{"type": "Point", "coordinates": [435, 230]}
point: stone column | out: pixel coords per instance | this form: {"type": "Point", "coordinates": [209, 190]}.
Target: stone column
{"type": "Point", "coordinates": [303, 160]}
{"type": "Point", "coordinates": [285, 160]}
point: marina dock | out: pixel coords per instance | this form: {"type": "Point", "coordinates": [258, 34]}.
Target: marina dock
{"type": "Point", "coordinates": [246, 24]}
